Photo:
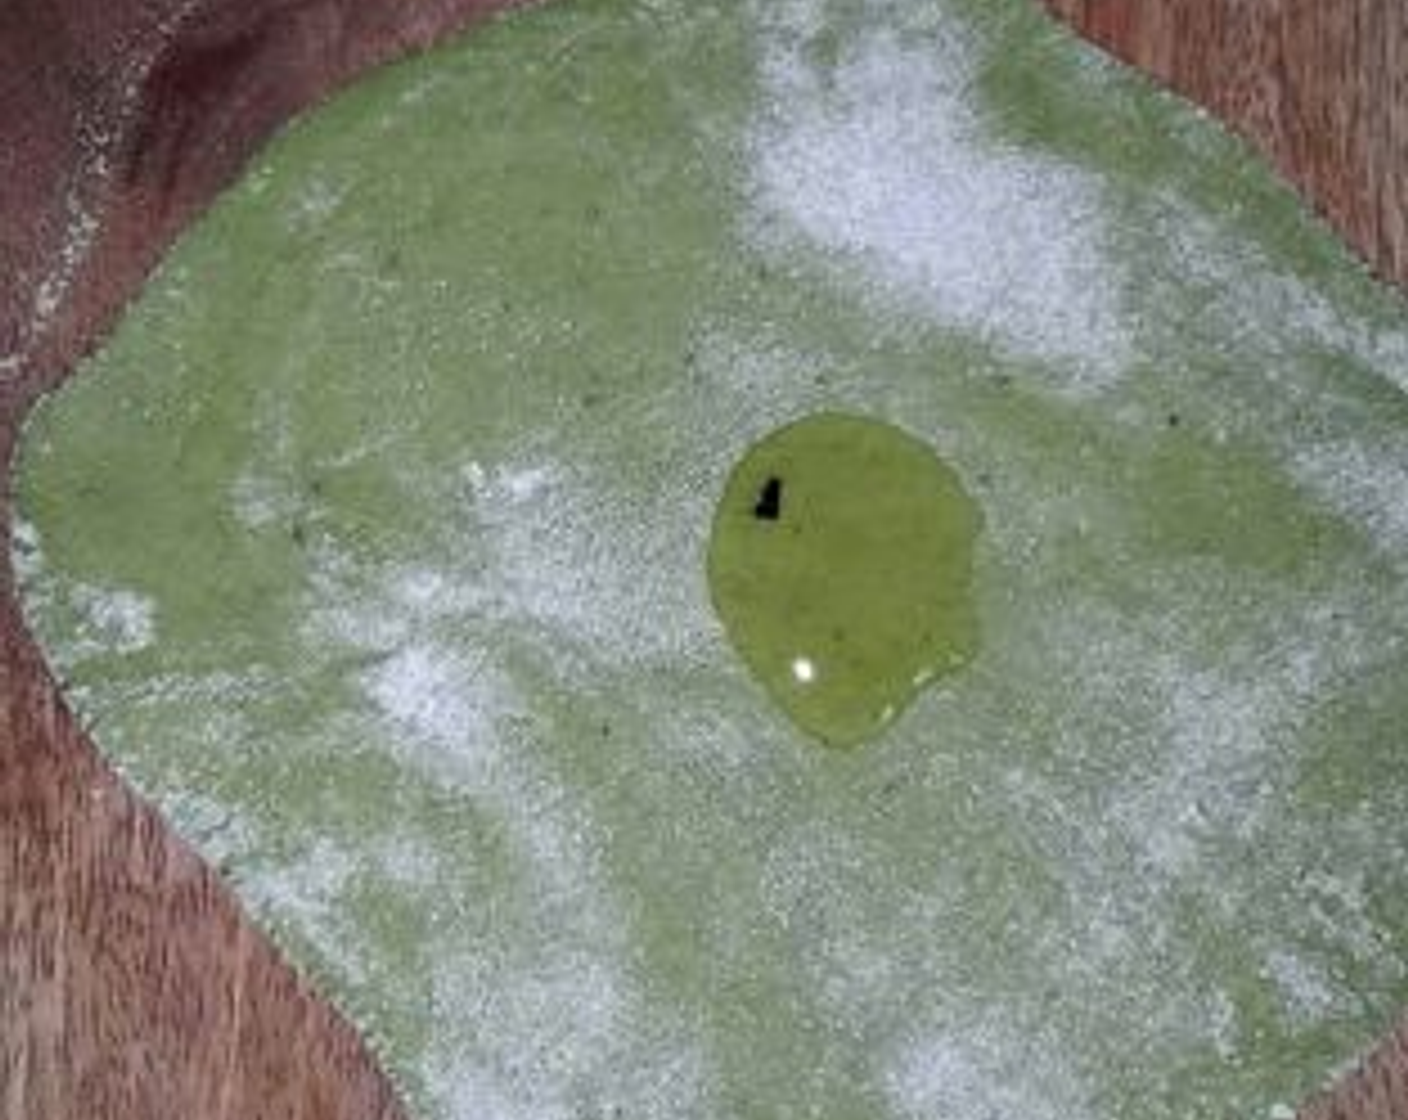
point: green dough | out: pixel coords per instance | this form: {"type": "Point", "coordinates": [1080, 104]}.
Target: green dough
{"type": "Point", "coordinates": [374, 546]}
{"type": "Point", "coordinates": [840, 563]}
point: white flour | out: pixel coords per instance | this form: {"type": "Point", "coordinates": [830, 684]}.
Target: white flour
{"type": "Point", "coordinates": [885, 162]}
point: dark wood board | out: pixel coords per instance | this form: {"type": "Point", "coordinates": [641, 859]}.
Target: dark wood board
{"type": "Point", "coordinates": [1319, 86]}
{"type": "Point", "coordinates": [131, 984]}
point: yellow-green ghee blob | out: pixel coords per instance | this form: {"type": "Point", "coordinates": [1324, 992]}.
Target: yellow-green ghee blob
{"type": "Point", "coordinates": [841, 565]}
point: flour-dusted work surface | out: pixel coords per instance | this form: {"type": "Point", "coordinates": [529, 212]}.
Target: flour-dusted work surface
{"type": "Point", "coordinates": [373, 546]}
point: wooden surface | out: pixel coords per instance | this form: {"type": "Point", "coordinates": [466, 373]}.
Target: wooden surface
{"type": "Point", "coordinates": [1320, 86]}
{"type": "Point", "coordinates": [130, 984]}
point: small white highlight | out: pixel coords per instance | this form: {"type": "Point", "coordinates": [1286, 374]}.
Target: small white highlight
{"type": "Point", "coordinates": [804, 670]}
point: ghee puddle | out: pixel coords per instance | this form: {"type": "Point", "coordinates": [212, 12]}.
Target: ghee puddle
{"type": "Point", "coordinates": [840, 564]}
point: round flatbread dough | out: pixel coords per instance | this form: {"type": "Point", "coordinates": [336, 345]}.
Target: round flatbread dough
{"type": "Point", "coordinates": [374, 544]}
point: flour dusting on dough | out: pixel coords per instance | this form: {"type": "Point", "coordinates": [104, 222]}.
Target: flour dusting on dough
{"type": "Point", "coordinates": [437, 680]}
{"type": "Point", "coordinates": [883, 159]}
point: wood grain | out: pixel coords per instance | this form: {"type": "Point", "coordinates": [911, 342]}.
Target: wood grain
{"type": "Point", "coordinates": [131, 985]}
{"type": "Point", "coordinates": [1319, 86]}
